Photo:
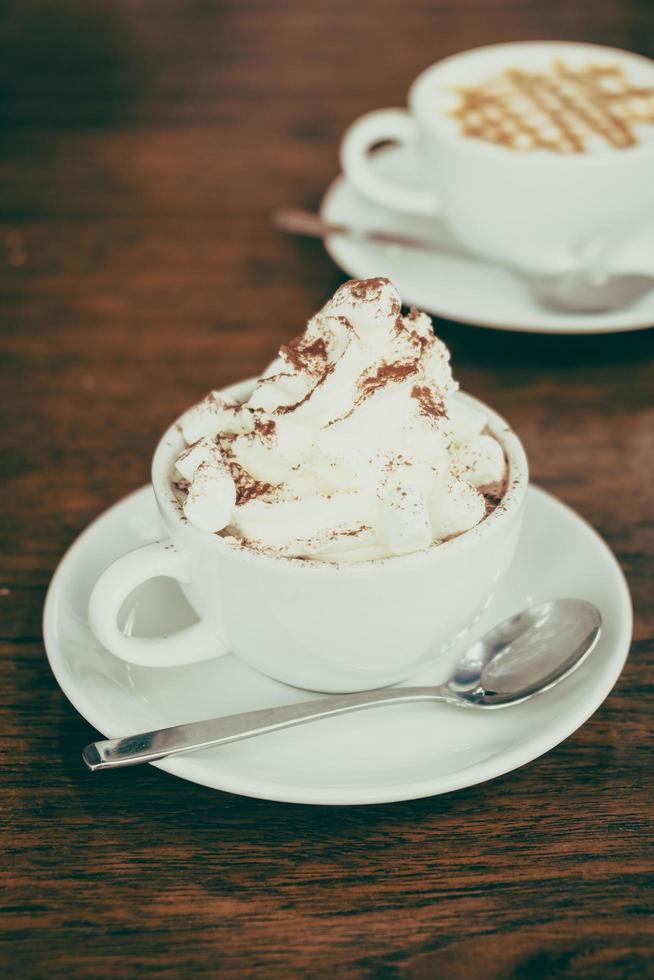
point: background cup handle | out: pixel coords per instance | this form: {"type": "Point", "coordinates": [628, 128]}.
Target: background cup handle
{"type": "Point", "coordinates": [375, 127]}
{"type": "Point", "coordinates": [187, 646]}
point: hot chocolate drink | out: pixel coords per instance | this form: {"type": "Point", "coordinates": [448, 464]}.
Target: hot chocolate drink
{"type": "Point", "coordinates": [352, 446]}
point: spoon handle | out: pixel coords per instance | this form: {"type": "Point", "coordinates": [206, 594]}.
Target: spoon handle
{"type": "Point", "coordinates": [150, 746]}
{"type": "Point", "coordinates": [295, 221]}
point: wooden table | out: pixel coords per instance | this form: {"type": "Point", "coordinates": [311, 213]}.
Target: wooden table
{"type": "Point", "coordinates": [145, 145]}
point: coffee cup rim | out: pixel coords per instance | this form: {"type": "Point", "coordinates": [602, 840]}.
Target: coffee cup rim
{"type": "Point", "coordinates": [172, 443]}
{"type": "Point", "coordinates": [418, 105]}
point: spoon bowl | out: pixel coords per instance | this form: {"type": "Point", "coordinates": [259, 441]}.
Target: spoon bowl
{"type": "Point", "coordinates": [581, 292]}
{"type": "Point", "coordinates": [527, 653]}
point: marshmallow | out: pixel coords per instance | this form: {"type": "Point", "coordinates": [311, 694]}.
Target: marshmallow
{"type": "Point", "coordinates": [203, 451]}
{"type": "Point", "coordinates": [404, 520]}
{"type": "Point", "coordinates": [458, 509]}
{"type": "Point", "coordinates": [211, 416]}
{"type": "Point", "coordinates": [464, 422]}
{"type": "Point", "coordinates": [211, 497]}
{"type": "Point", "coordinates": [480, 461]}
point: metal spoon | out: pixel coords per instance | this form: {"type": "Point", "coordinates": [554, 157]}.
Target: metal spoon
{"type": "Point", "coordinates": [577, 291]}
{"type": "Point", "coordinates": [521, 657]}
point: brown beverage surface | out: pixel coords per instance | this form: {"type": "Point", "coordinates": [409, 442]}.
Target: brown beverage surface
{"type": "Point", "coordinates": [561, 110]}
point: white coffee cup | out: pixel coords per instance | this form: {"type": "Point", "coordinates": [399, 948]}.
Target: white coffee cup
{"type": "Point", "coordinates": [538, 209]}
{"type": "Point", "coordinates": [316, 625]}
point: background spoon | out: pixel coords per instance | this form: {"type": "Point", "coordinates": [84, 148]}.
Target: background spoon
{"type": "Point", "coordinates": [577, 290]}
{"type": "Point", "coordinates": [517, 659]}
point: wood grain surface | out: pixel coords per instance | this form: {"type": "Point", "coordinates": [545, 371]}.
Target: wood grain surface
{"type": "Point", "coordinates": [144, 146]}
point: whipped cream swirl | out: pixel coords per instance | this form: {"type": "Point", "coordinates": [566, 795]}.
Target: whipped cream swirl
{"type": "Point", "coordinates": [351, 446]}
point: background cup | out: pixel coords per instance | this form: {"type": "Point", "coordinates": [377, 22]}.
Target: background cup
{"type": "Point", "coordinates": [542, 210]}
{"type": "Point", "coordinates": [316, 625]}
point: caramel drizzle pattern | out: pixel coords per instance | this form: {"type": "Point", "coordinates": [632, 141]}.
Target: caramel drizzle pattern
{"type": "Point", "coordinates": [573, 105]}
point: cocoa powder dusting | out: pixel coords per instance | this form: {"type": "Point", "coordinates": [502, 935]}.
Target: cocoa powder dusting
{"type": "Point", "coordinates": [429, 406]}
{"type": "Point", "coordinates": [418, 338]}
{"type": "Point", "coordinates": [299, 353]}
{"type": "Point", "coordinates": [367, 289]}
{"type": "Point", "coordinates": [265, 427]}
{"type": "Point", "coordinates": [349, 533]}
{"type": "Point", "coordinates": [386, 374]}
{"type": "Point", "coordinates": [395, 462]}
{"type": "Point", "coordinates": [247, 488]}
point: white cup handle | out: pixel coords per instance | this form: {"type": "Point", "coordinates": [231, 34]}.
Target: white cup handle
{"type": "Point", "coordinates": [187, 646]}
{"type": "Point", "coordinates": [384, 124]}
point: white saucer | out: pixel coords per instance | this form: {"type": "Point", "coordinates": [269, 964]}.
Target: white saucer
{"type": "Point", "coordinates": [388, 754]}
{"type": "Point", "coordinates": [451, 287]}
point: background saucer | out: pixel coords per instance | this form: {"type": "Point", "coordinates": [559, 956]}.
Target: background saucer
{"type": "Point", "coordinates": [452, 287]}
{"type": "Point", "coordinates": [394, 753]}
